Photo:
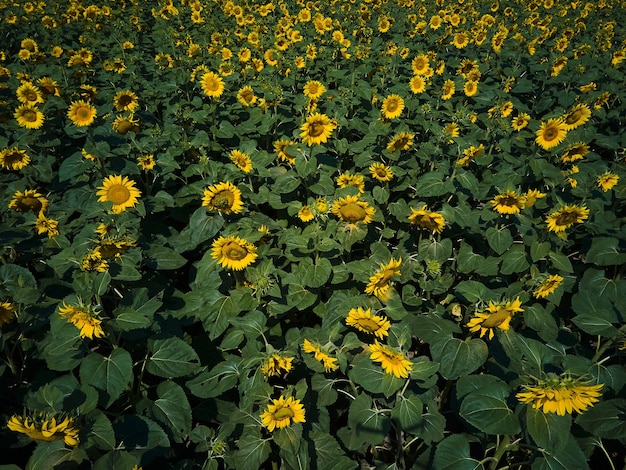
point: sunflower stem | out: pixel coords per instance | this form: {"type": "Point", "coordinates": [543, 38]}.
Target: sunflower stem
{"type": "Point", "coordinates": [503, 446]}
{"type": "Point", "coordinates": [608, 457]}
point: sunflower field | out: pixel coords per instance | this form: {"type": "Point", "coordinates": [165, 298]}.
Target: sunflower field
{"type": "Point", "coordinates": [344, 234]}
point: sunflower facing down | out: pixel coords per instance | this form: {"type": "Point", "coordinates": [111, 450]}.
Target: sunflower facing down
{"type": "Point", "coordinates": [8, 312]}
{"type": "Point", "coordinates": [45, 428]}
{"type": "Point", "coordinates": [29, 200]}
{"type": "Point", "coordinates": [317, 129]}
{"type": "Point", "coordinates": [548, 286]}
{"type": "Point", "coordinates": [83, 318]}
{"type": "Point", "coordinates": [380, 282]}
{"type": "Point", "coordinates": [29, 117]}
{"type": "Point", "coordinates": [125, 124]}
{"type": "Point", "coordinates": [551, 133]}
{"type": "Point", "coordinates": [497, 315]}
{"type": "Point", "coordinates": [329, 362]}
{"type": "Point", "coordinates": [120, 190]}
{"type": "Point", "coordinates": [223, 197]}
{"type": "Point", "coordinates": [392, 106]}
{"type": "Point", "coordinates": [393, 362]}
{"type": "Point", "coordinates": [13, 158]}
{"type": "Point", "coordinates": [81, 113]}
{"type": "Point", "coordinates": [364, 321]}
{"type": "Point", "coordinates": [276, 365]}
{"type": "Point", "coordinates": [562, 219]}
{"type": "Point", "coordinates": [353, 211]}
{"type": "Point", "coordinates": [401, 141]}
{"type": "Point", "coordinates": [509, 202]}
{"type": "Point", "coordinates": [425, 219]}
{"type": "Point", "coordinates": [282, 413]}
{"type": "Point", "coordinates": [233, 252]}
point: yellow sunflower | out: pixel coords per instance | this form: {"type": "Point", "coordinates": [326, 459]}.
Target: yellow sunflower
{"type": "Point", "coordinates": [125, 124]}
{"type": "Point", "coordinates": [531, 196]}
{"type": "Point", "coordinates": [84, 318]}
{"type": "Point", "coordinates": [146, 162]}
{"type": "Point", "coordinates": [470, 154]}
{"type": "Point", "coordinates": [401, 141]}
{"type": "Point", "coordinates": [425, 219]}
{"type": "Point", "coordinates": [392, 106]}
{"type": "Point", "coordinates": [497, 315]}
{"type": "Point", "coordinates": [29, 200]}
{"type": "Point", "coordinates": [46, 225]}
{"type": "Point", "coordinates": [560, 395]}
{"type": "Point", "coordinates": [562, 219]}
{"type": "Point", "coordinates": [7, 312]}
{"type": "Point", "coordinates": [45, 428]}
{"type": "Point", "coordinates": [126, 100]}
{"type": "Point", "coordinates": [381, 172]}
{"type": "Point", "coordinates": [276, 365]}
{"type": "Point", "coordinates": [417, 84]}
{"type": "Point", "coordinates": [49, 87]}
{"type": "Point", "coordinates": [223, 197]}
{"type": "Point", "coordinates": [314, 89]}
{"type": "Point", "coordinates": [509, 202]}
{"type": "Point", "coordinates": [447, 90]}
{"type": "Point", "coordinates": [551, 133]}
{"type": "Point", "coordinates": [329, 363]}
{"type": "Point", "coordinates": [470, 88]}
{"type": "Point", "coordinates": [364, 321]}
{"type": "Point", "coordinates": [548, 286]}
{"type": "Point", "coordinates": [246, 96]}
{"type": "Point", "coordinates": [282, 413]}
{"type": "Point", "coordinates": [120, 190]}
{"type": "Point", "coordinates": [317, 129]}
{"type": "Point", "coordinates": [520, 121]}
{"type": "Point", "coordinates": [29, 117]}
{"type": "Point", "coordinates": [28, 93]}
{"type": "Point", "coordinates": [353, 211]}
{"type": "Point", "coordinates": [577, 116]}
{"type": "Point", "coordinates": [607, 180]}
{"type": "Point", "coordinates": [13, 158]}
{"type": "Point", "coordinates": [393, 362]}
{"type": "Point", "coordinates": [305, 214]}
{"type": "Point", "coordinates": [242, 160]}
{"type": "Point", "coordinates": [575, 152]}
{"type": "Point", "coordinates": [381, 281]}
{"type": "Point", "coordinates": [233, 252]}
{"type": "Point", "coordinates": [347, 179]}
{"type": "Point", "coordinates": [81, 113]}
{"type": "Point", "coordinates": [212, 84]}
{"type": "Point", "coordinates": [420, 65]}
{"type": "Point", "coordinates": [281, 148]}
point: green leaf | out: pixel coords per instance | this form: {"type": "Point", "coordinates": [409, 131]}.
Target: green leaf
{"type": "Point", "coordinates": [110, 374]}
{"type": "Point", "coordinates": [329, 453]}
{"type": "Point", "coordinates": [252, 324]}
{"type": "Point", "coordinates": [253, 450]}
{"type": "Point", "coordinates": [433, 184]}
{"type": "Point", "coordinates": [171, 357]}
{"type": "Point", "coordinates": [568, 457]}
{"type": "Point", "coordinates": [595, 326]}
{"type": "Point", "coordinates": [489, 414]}
{"type": "Point", "coordinates": [101, 282]}
{"type": "Point", "coordinates": [408, 412]}
{"type": "Point", "coordinates": [314, 274]}
{"type": "Point", "coordinates": [431, 427]}
{"type": "Point", "coordinates": [499, 239]}
{"type": "Point", "coordinates": [160, 257]}
{"type": "Point", "coordinates": [561, 262]}
{"type": "Point", "coordinates": [172, 410]}
{"type": "Point", "coordinates": [606, 419]}
{"type": "Point", "coordinates": [514, 260]}
{"type": "Point", "coordinates": [605, 251]}
{"type": "Point", "coordinates": [539, 250]}
{"type": "Point", "coordinates": [457, 357]}
{"type": "Point", "coordinates": [326, 393]}
{"type": "Point", "coordinates": [48, 455]}
{"type": "Point", "coordinates": [372, 377]}
{"type": "Point", "coordinates": [467, 260]}
{"type": "Point", "coordinates": [453, 453]}
{"type": "Point", "coordinates": [139, 432]}
{"type": "Point", "coordinates": [101, 432]}
{"type": "Point", "coordinates": [366, 421]}
{"type": "Point", "coordinates": [116, 460]}
{"type": "Point", "coordinates": [212, 383]}
{"type": "Point", "coordinates": [202, 226]}
{"type": "Point", "coordinates": [548, 430]}
{"type": "Point", "coordinates": [472, 291]}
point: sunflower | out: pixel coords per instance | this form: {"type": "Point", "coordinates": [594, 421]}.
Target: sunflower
{"type": "Point", "coordinates": [314, 89]}
{"type": "Point", "coordinates": [509, 202]}
{"type": "Point", "coordinates": [276, 365]}
{"type": "Point", "coordinates": [577, 116]}
{"type": "Point", "coordinates": [531, 196]}
{"type": "Point", "coordinates": [305, 214]}
{"type": "Point", "coordinates": [562, 219]}
{"type": "Point", "coordinates": [470, 154]}
{"type": "Point", "coordinates": [417, 84]}
{"type": "Point", "coordinates": [233, 252]}
{"type": "Point", "coordinates": [93, 261]}
{"type": "Point", "coordinates": [45, 225]}
{"type": "Point", "coordinates": [393, 362]}
{"type": "Point", "coordinates": [81, 113]}
{"type": "Point", "coordinates": [14, 159]}
{"type": "Point", "coordinates": [346, 180]}
{"type": "Point", "coordinates": [451, 130]}
{"type": "Point", "coordinates": [7, 312]}
{"type": "Point", "coordinates": [49, 87]}
{"type": "Point", "coordinates": [126, 100]}
{"type": "Point", "coordinates": [551, 133]}
{"type": "Point", "coordinates": [560, 395]}
{"type": "Point", "coordinates": [29, 200]}
{"type": "Point", "coordinates": [29, 94]}
{"type": "Point", "coordinates": [146, 162]}
{"type": "Point", "coordinates": [497, 315]}
{"type": "Point", "coordinates": [548, 286]}
{"type": "Point", "coordinates": [420, 65]}
{"type": "Point", "coordinates": [364, 321]}
{"type": "Point", "coordinates": [246, 96]}
{"type": "Point", "coordinates": [329, 363]}
{"type": "Point", "coordinates": [321, 205]}
{"type": "Point", "coordinates": [45, 428]}
{"type": "Point", "coordinates": [125, 124]}
{"type": "Point", "coordinates": [223, 197]}
{"type": "Point", "coordinates": [401, 141]}
{"type": "Point", "coordinates": [575, 152]}
{"type": "Point", "coordinates": [380, 282]}
{"type": "Point", "coordinates": [120, 190]}
{"type": "Point", "coordinates": [212, 84]}
{"type": "Point", "coordinates": [470, 88]}
{"type": "Point", "coordinates": [352, 210]}
{"type": "Point", "coordinates": [281, 146]}
{"type": "Point", "coordinates": [447, 90]}
{"type": "Point", "coordinates": [282, 413]}
{"type": "Point", "coordinates": [29, 117]}
{"type": "Point", "coordinates": [83, 318]}
{"type": "Point", "coordinates": [460, 40]}
{"type": "Point", "coordinates": [392, 106]}
{"type": "Point", "coordinates": [381, 172]}
{"type": "Point", "coordinates": [242, 160]}
{"type": "Point", "coordinates": [425, 219]}
{"type": "Point", "coordinates": [520, 121]}
{"type": "Point", "coordinates": [607, 181]}
{"type": "Point", "coordinates": [317, 129]}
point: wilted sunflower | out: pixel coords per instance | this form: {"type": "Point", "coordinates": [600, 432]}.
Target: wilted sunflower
{"type": "Point", "coordinates": [510, 202]}
{"type": "Point", "coordinates": [393, 362]}
{"type": "Point", "coordinates": [575, 152]}
{"type": "Point", "coordinates": [417, 84]}
{"type": "Point", "coordinates": [562, 219]}
{"type": "Point", "coordinates": [7, 312]}
{"type": "Point", "coordinates": [470, 154]}
{"type": "Point", "coordinates": [126, 100]}
{"type": "Point", "coordinates": [242, 160]}
{"type": "Point", "coordinates": [317, 129]}
{"type": "Point", "coordinates": [27, 93]}
{"type": "Point", "coordinates": [246, 96]}
{"type": "Point", "coordinates": [282, 413]}
{"type": "Point", "coordinates": [224, 197]}
{"type": "Point", "coordinates": [577, 116]}
{"type": "Point", "coordinates": [212, 84]}
{"type": "Point", "coordinates": [84, 318]}
{"type": "Point", "coordinates": [81, 113]}
{"type": "Point", "coordinates": [352, 210]}
{"type": "Point", "coordinates": [29, 117]}
{"type": "Point", "coordinates": [46, 225]}
{"type": "Point", "coordinates": [401, 141]}
{"type": "Point", "coordinates": [392, 106]}
{"type": "Point", "coordinates": [329, 363]}
{"type": "Point", "coordinates": [551, 133]}
{"type": "Point", "coordinates": [432, 221]}
{"type": "Point", "coordinates": [560, 395]}
{"type": "Point", "coordinates": [548, 286]}
{"type": "Point", "coordinates": [497, 315]}
{"type": "Point", "coordinates": [520, 121]}
{"type": "Point", "coordinates": [45, 428]}
{"type": "Point", "coordinates": [233, 252]}
{"type": "Point", "coordinates": [276, 365]}
{"type": "Point", "coordinates": [381, 172]}
{"type": "Point", "coordinates": [381, 281]}
{"type": "Point", "coordinates": [125, 124]}
{"type": "Point", "coordinates": [14, 159]}
{"type": "Point", "coordinates": [314, 89]}
{"type": "Point", "coordinates": [29, 200]}
{"type": "Point", "coordinates": [607, 181]}
{"type": "Point", "coordinates": [120, 190]}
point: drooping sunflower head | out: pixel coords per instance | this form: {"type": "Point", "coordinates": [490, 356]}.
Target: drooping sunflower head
{"type": "Point", "coordinates": [575, 152]}
{"type": "Point", "coordinates": [276, 365]}
{"type": "Point", "coordinates": [84, 318]}
{"type": "Point", "coordinates": [119, 190]}
{"type": "Point", "coordinates": [126, 100]}
{"type": "Point", "coordinates": [509, 202]}
{"type": "Point", "coordinates": [81, 113]}
{"type": "Point", "coordinates": [364, 321]}
{"type": "Point", "coordinates": [496, 315]}
{"type": "Point", "coordinates": [233, 252]}
{"type": "Point", "coordinates": [548, 286]}
{"type": "Point", "coordinates": [347, 179]}
{"type": "Point", "coordinates": [393, 362]}
{"type": "Point", "coordinates": [281, 147]}
{"type": "Point", "coordinates": [551, 133]}
{"type": "Point", "coordinates": [7, 312]}
{"type": "Point", "coordinates": [401, 141]}
{"type": "Point", "coordinates": [13, 158]}
{"type": "Point", "coordinates": [246, 96]}
{"type": "Point", "coordinates": [447, 90]}
{"type": "Point", "coordinates": [392, 106]}
{"type": "Point", "coordinates": [125, 124]}
{"type": "Point", "coordinates": [29, 201]}
{"type": "Point", "coordinates": [423, 218]}
{"type": "Point", "coordinates": [607, 180]}
{"type": "Point", "coordinates": [520, 121]}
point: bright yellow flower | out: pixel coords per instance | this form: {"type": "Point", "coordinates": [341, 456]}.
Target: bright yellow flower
{"type": "Point", "coordinates": [242, 160]}
{"type": "Point", "coordinates": [7, 312]}
{"type": "Point", "coordinates": [29, 117]}
{"type": "Point", "coordinates": [276, 365]}
{"type": "Point", "coordinates": [560, 395]}
{"type": "Point", "coordinates": [393, 362]}
{"type": "Point", "coordinates": [29, 201]}
{"type": "Point", "coordinates": [317, 129]}
{"type": "Point", "coordinates": [364, 321]}
{"type": "Point", "coordinates": [548, 286]}
{"type": "Point", "coordinates": [551, 133]}
{"type": "Point", "coordinates": [509, 202]}
{"type": "Point", "coordinates": [330, 363]}
{"type": "Point", "coordinates": [425, 219]}
{"type": "Point", "coordinates": [353, 211]}
{"type": "Point", "coordinates": [401, 141]}
{"type": "Point", "coordinates": [392, 106]}
{"type": "Point", "coordinates": [81, 113]}
{"type": "Point", "coordinates": [233, 252]}
{"type": "Point", "coordinates": [607, 181]}
{"type": "Point", "coordinates": [223, 197]}
{"type": "Point", "coordinates": [13, 158]}
{"type": "Point", "coordinates": [562, 219]}
{"type": "Point", "coordinates": [577, 116]}
{"type": "Point", "coordinates": [314, 89]}
{"type": "Point", "coordinates": [212, 85]}
{"type": "Point", "coordinates": [119, 190]}
{"type": "Point", "coordinates": [380, 283]}
{"type": "Point", "coordinates": [497, 315]}
{"type": "Point", "coordinates": [46, 428]}
{"type": "Point", "coordinates": [282, 413]}
{"type": "Point", "coordinates": [83, 318]}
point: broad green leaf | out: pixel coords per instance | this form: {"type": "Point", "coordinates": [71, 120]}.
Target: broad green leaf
{"type": "Point", "coordinates": [489, 414]}
{"type": "Point", "coordinates": [408, 412]}
{"type": "Point", "coordinates": [160, 257]}
{"type": "Point", "coordinates": [467, 260]}
{"type": "Point", "coordinates": [499, 239]}
{"type": "Point", "coordinates": [597, 285]}
{"type": "Point", "coordinates": [595, 326]}
{"type": "Point", "coordinates": [171, 357]}
{"type": "Point", "coordinates": [252, 451]}
{"type": "Point", "coordinates": [561, 262]}
{"type": "Point", "coordinates": [605, 252]}
{"type": "Point", "coordinates": [483, 384]}
{"type": "Point", "coordinates": [539, 250]}
{"type": "Point", "coordinates": [423, 369]}
{"type": "Point", "coordinates": [568, 457]}
{"type": "Point", "coordinates": [373, 378]}
{"type": "Point", "coordinates": [431, 426]}
{"type": "Point", "coordinates": [139, 432]}
{"type": "Point", "coordinates": [314, 274]}
{"type": "Point", "coordinates": [606, 419]}
{"type": "Point", "coordinates": [367, 421]}
{"type": "Point", "coordinates": [212, 383]}
{"type": "Point", "coordinates": [48, 455]}
{"type": "Point", "coordinates": [453, 453]}
{"type": "Point", "coordinates": [472, 291]}
{"type": "Point", "coordinates": [110, 374]}
{"type": "Point", "coordinates": [514, 260]}
{"type": "Point", "coordinates": [326, 393]}
{"type": "Point", "coordinates": [128, 319]}
{"type": "Point", "coordinates": [457, 357]}
{"type": "Point", "coordinates": [288, 437]}
{"type": "Point", "coordinates": [548, 430]}
{"type": "Point", "coordinates": [172, 410]}
{"type": "Point", "coordinates": [433, 184]}
{"type": "Point", "coordinates": [328, 452]}
{"type": "Point", "coordinates": [101, 432]}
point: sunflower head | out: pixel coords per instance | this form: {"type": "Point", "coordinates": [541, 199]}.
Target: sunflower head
{"type": "Point", "coordinates": [119, 190]}
{"type": "Point", "coordinates": [233, 252]}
